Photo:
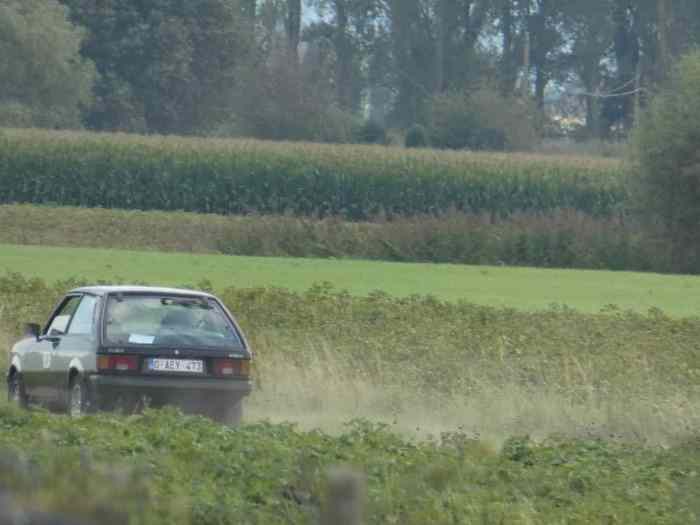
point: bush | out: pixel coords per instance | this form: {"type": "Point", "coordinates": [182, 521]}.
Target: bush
{"type": "Point", "coordinates": [564, 239]}
{"type": "Point", "coordinates": [668, 163]}
{"type": "Point", "coordinates": [285, 101]}
{"type": "Point", "coordinates": [372, 132]}
{"type": "Point", "coordinates": [417, 137]}
{"type": "Point", "coordinates": [481, 120]}
{"type": "Point", "coordinates": [336, 126]}
{"type": "Point", "coordinates": [15, 115]}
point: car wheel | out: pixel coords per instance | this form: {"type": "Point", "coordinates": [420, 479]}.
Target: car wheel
{"type": "Point", "coordinates": [16, 393]}
{"type": "Point", "coordinates": [78, 401]}
{"type": "Point", "coordinates": [230, 415]}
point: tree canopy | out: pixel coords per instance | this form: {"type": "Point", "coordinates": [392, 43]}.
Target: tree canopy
{"type": "Point", "coordinates": [205, 66]}
{"type": "Point", "coordinates": [45, 80]}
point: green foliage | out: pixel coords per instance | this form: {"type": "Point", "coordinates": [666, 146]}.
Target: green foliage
{"type": "Point", "coordinates": [371, 132]}
{"type": "Point", "coordinates": [165, 67]}
{"type": "Point", "coordinates": [280, 102]}
{"type": "Point", "coordinates": [563, 239]}
{"type": "Point", "coordinates": [417, 137]}
{"type": "Point", "coordinates": [162, 467]}
{"type": "Point", "coordinates": [45, 82]}
{"type": "Point", "coordinates": [238, 177]}
{"type": "Point", "coordinates": [668, 162]}
{"type": "Point", "coordinates": [337, 126]}
{"type": "Point", "coordinates": [481, 120]}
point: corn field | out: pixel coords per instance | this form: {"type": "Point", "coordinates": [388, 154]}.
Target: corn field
{"type": "Point", "coordinates": [245, 176]}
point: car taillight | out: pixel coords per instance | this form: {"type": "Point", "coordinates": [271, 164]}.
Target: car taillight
{"type": "Point", "coordinates": [119, 363]}
{"type": "Point", "coordinates": [231, 367]}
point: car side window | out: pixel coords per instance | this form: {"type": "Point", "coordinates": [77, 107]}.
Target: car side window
{"type": "Point", "coordinates": [60, 321]}
{"type": "Point", "coordinates": [83, 320]}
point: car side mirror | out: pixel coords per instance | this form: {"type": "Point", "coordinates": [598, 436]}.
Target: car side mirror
{"type": "Point", "coordinates": [32, 330]}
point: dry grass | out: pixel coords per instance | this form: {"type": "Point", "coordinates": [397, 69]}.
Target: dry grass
{"type": "Point", "coordinates": [329, 391]}
{"type": "Point", "coordinates": [426, 367]}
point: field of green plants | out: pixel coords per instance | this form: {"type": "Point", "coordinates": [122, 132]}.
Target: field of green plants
{"type": "Point", "coordinates": [240, 177]}
{"type": "Point", "coordinates": [446, 395]}
{"type": "Point", "coordinates": [180, 470]}
{"type": "Point", "coordinates": [464, 394]}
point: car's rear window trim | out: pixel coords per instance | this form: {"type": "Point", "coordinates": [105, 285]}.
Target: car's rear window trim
{"type": "Point", "coordinates": [138, 293]}
{"type": "Point", "coordinates": [114, 348]}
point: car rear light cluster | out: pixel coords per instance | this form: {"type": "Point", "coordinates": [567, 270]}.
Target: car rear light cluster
{"type": "Point", "coordinates": [231, 367]}
{"type": "Point", "coordinates": [118, 363]}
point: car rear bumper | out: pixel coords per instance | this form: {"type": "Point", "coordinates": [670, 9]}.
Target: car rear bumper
{"type": "Point", "coordinates": [106, 389]}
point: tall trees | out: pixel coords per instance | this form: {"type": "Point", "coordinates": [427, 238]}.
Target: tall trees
{"type": "Point", "coordinates": [626, 45]}
{"type": "Point", "coordinates": [167, 66]}
{"type": "Point", "coordinates": [546, 40]}
{"type": "Point", "coordinates": [45, 81]}
{"type": "Point", "coordinates": [508, 71]}
{"type": "Point", "coordinates": [412, 53]}
{"type": "Point", "coordinates": [353, 27]}
{"type": "Point", "coordinates": [182, 66]}
{"type": "Point", "coordinates": [344, 54]}
{"type": "Point", "coordinates": [669, 162]}
{"type": "Point", "coordinates": [250, 9]}
{"type": "Point", "coordinates": [591, 34]}
{"type": "Point", "coordinates": [293, 28]}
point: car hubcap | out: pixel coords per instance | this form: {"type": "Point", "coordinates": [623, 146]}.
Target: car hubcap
{"type": "Point", "coordinates": [76, 401]}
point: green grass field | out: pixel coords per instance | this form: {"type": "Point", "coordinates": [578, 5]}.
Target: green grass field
{"type": "Point", "coordinates": [523, 288]}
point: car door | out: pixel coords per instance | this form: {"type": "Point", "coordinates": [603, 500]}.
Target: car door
{"type": "Point", "coordinates": [40, 357]}
{"type": "Point", "coordinates": [78, 345]}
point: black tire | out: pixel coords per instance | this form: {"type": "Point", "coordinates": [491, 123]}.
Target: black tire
{"type": "Point", "coordinates": [16, 394]}
{"type": "Point", "coordinates": [78, 398]}
{"type": "Point", "coordinates": [230, 415]}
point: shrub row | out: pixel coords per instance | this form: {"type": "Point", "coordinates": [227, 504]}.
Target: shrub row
{"type": "Point", "coordinates": [240, 177]}
{"type": "Point", "coordinates": [562, 239]}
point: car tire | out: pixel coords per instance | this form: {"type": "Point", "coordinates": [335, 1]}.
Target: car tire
{"type": "Point", "coordinates": [16, 393]}
{"type": "Point", "coordinates": [230, 415]}
{"type": "Point", "coordinates": [78, 398]}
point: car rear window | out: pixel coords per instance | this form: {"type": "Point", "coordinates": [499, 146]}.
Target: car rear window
{"type": "Point", "coordinates": [168, 321]}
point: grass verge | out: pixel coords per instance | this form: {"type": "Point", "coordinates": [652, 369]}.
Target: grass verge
{"type": "Point", "coordinates": [522, 288]}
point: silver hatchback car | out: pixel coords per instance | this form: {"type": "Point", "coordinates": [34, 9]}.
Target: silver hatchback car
{"type": "Point", "coordinates": [109, 347]}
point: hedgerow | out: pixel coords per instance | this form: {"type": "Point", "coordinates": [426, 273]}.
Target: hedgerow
{"type": "Point", "coordinates": [240, 177]}
{"type": "Point", "coordinates": [563, 239]}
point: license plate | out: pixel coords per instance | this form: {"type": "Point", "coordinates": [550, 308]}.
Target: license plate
{"type": "Point", "coordinates": [189, 366]}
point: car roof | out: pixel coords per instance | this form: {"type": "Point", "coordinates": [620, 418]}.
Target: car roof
{"type": "Point", "coordinates": [104, 290]}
